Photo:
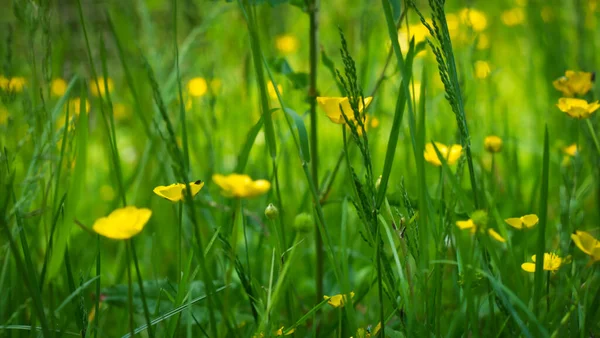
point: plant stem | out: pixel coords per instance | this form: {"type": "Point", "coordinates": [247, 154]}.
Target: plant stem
{"type": "Point", "coordinates": [141, 285]}
{"type": "Point", "coordinates": [313, 11]}
{"type": "Point", "coordinates": [130, 292]}
{"type": "Point", "coordinates": [180, 235]}
{"type": "Point", "coordinates": [593, 133]}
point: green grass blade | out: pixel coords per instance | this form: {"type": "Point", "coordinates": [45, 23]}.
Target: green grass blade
{"type": "Point", "coordinates": [538, 279]}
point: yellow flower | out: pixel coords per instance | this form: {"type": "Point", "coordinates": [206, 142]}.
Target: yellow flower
{"type": "Point", "coordinates": [58, 87]}
{"type": "Point", "coordinates": [577, 108]}
{"type": "Point", "coordinates": [197, 86]}
{"type": "Point", "coordinates": [472, 227]}
{"type": "Point", "coordinates": [271, 90]}
{"type": "Point", "coordinates": [123, 223]}
{"type": "Point", "coordinates": [493, 144]}
{"type": "Point", "coordinates": [287, 44]}
{"type": "Point", "coordinates": [552, 262]}
{"type": "Point", "coordinates": [15, 84]}
{"type": "Point", "coordinates": [570, 150]}
{"type": "Point", "coordinates": [513, 17]}
{"type": "Point", "coordinates": [280, 332]}
{"type": "Point", "coordinates": [473, 18]}
{"type": "Point", "coordinates": [588, 244]}
{"type": "Point", "coordinates": [417, 31]}
{"type": "Point", "coordinates": [338, 300]}
{"type": "Point", "coordinates": [482, 69]}
{"type": "Point", "coordinates": [527, 221]}
{"type": "Point", "coordinates": [236, 185]}
{"type": "Point", "coordinates": [451, 154]}
{"type": "Point", "coordinates": [109, 83]}
{"type": "Point", "coordinates": [176, 191]}
{"type": "Point", "coordinates": [331, 106]}
{"type": "Point", "coordinates": [574, 83]}
{"type": "Point", "coordinates": [75, 106]}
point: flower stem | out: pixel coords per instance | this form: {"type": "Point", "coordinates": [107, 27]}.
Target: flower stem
{"type": "Point", "coordinates": [130, 291]}
{"type": "Point", "coordinates": [593, 133]}
{"type": "Point", "coordinates": [241, 214]}
{"type": "Point", "coordinates": [141, 285]}
{"type": "Point", "coordinates": [179, 236]}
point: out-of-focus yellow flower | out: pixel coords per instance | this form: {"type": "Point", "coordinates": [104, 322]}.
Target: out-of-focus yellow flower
{"type": "Point", "coordinates": [271, 90]}
{"type": "Point", "coordinates": [417, 31]}
{"type": "Point", "coordinates": [482, 69]}
{"type": "Point", "coordinates": [14, 84]}
{"type": "Point", "coordinates": [373, 122]}
{"type": "Point", "coordinates": [473, 18]}
{"type": "Point", "coordinates": [513, 17]}
{"type": "Point", "coordinates": [527, 221]}
{"type": "Point", "coordinates": [3, 115]}
{"type": "Point", "coordinates": [280, 332]}
{"type": "Point", "coordinates": [121, 112]}
{"type": "Point", "coordinates": [176, 191]}
{"type": "Point", "coordinates": [338, 300]}
{"type": "Point", "coordinates": [109, 83]}
{"type": "Point", "coordinates": [574, 83]}
{"type": "Point", "coordinates": [241, 186]}
{"type": "Point", "coordinates": [552, 262]}
{"type": "Point", "coordinates": [472, 227]}
{"type": "Point", "coordinates": [570, 150]}
{"type": "Point", "coordinates": [75, 106]}
{"type": "Point", "coordinates": [122, 223]}
{"type": "Point", "coordinates": [588, 244]}
{"type": "Point", "coordinates": [577, 108]}
{"type": "Point", "coordinates": [331, 106]}
{"type": "Point", "coordinates": [451, 154]}
{"type": "Point", "coordinates": [492, 144]}
{"type": "Point", "coordinates": [58, 87]}
{"type": "Point", "coordinates": [287, 43]}
{"type": "Point", "coordinates": [197, 86]}
{"type": "Point", "coordinates": [483, 41]}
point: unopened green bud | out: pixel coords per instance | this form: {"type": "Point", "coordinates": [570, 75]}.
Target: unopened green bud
{"type": "Point", "coordinates": [303, 222]}
{"type": "Point", "coordinates": [271, 211]}
{"type": "Point", "coordinates": [480, 218]}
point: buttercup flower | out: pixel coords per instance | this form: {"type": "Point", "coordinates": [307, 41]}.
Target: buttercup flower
{"type": "Point", "coordinates": [176, 191]}
{"type": "Point", "coordinates": [513, 17]}
{"type": "Point", "coordinates": [197, 86]}
{"type": "Point", "coordinates": [588, 244]}
{"type": "Point", "coordinates": [15, 84]}
{"type": "Point", "coordinates": [451, 154]}
{"type": "Point", "coordinates": [58, 87]}
{"type": "Point", "coordinates": [271, 90]}
{"type": "Point", "coordinates": [331, 106]}
{"type": "Point", "coordinates": [472, 227]}
{"type": "Point", "coordinates": [122, 223]}
{"type": "Point", "coordinates": [574, 83]}
{"type": "Point", "coordinates": [236, 185]}
{"type": "Point", "coordinates": [75, 106]}
{"type": "Point", "coordinates": [552, 262]}
{"type": "Point", "coordinates": [577, 108]}
{"type": "Point", "coordinates": [527, 221]}
{"type": "Point", "coordinates": [473, 18]}
{"type": "Point", "coordinates": [109, 83]}
{"type": "Point", "coordinates": [338, 300]}
{"type": "Point", "coordinates": [570, 150]}
{"type": "Point", "coordinates": [482, 69]}
{"type": "Point", "coordinates": [287, 44]}
{"type": "Point", "coordinates": [492, 144]}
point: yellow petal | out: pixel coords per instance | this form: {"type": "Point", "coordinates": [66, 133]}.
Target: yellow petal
{"type": "Point", "coordinates": [122, 223]}
{"type": "Point", "coordinates": [530, 220]}
{"type": "Point", "coordinates": [454, 153]}
{"type": "Point", "coordinates": [176, 192]}
{"type": "Point", "coordinates": [585, 242]}
{"type": "Point", "coordinates": [529, 267]}
{"type": "Point", "coordinates": [197, 86]}
{"type": "Point", "coordinates": [468, 224]}
{"type": "Point", "coordinates": [496, 235]}
{"type": "Point", "coordinates": [514, 222]}
{"type": "Point", "coordinates": [331, 106]}
{"type": "Point", "coordinates": [241, 186]}
{"type": "Point", "coordinates": [337, 300]}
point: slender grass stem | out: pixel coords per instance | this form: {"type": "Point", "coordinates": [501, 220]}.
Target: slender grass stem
{"type": "Point", "coordinates": [129, 292]}
{"type": "Point", "coordinates": [593, 134]}
{"type": "Point", "coordinates": [141, 286]}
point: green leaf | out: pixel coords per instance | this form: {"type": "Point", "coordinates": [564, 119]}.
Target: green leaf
{"type": "Point", "coordinates": [538, 278]}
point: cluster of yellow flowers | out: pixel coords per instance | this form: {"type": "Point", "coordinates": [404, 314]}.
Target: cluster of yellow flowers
{"type": "Point", "coordinates": [124, 223]}
{"type": "Point", "coordinates": [576, 84]}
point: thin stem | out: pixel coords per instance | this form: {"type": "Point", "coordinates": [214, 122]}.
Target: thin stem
{"type": "Point", "coordinates": [180, 235]}
{"type": "Point", "coordinates": [141, 285]}
{"type": "Point", "coordinates": [130, 292]}
{"type": "Point", "coordinates": [593, 133]}
{"type": "Point", "coordinates": [241, 214]}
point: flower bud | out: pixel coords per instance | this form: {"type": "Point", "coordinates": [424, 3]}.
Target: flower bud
{"type": "Point", "coordinates": [303, 222]}
{"type": "Point", "coordinates": [271, 211]}
{"type": "Point", "coordinates": [493, 144]}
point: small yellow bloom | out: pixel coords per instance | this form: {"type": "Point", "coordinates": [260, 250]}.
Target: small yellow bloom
{"type": "Point", "coordinates": [331, 106]}
{"type": "Point", "coordinates": [570, 150]}
{"type": "Point", "coordinates": [287, 44]}
{"type": "Point", "coordinates": [451, 154]}
{"type": "Point", "coordinates": [574, 83]}
{"type": "Point", "coordinates": [123, 223]}
{"type": "Point", "coordinates": [58, 87]}
{"type": "Point", "coordinates": [338, 300]}
{"type": "Point", "coordinates": [552, 262]}
{"type": "Point", "coordinates": [197, 86]}
{"type": "Point", "coordinates": [176, 191]}
{"type": "Point", "coordinates": [482, 69]}
{"type": "Point", "coordinates": [271, 90]}
{"type": "Point", "coordinates": [473, 18]}
{"type": "Point", "coordinates": [472, 227]}
{"type": "Point", "coordinates": [417, 31]}
{"type": "Point", "coordinates": [513, 17]}
{"type": "Point", "coordinates": [241, 186]}
{"type": "Point", "coordinates": [577, 108]}
{"type": "Point", "coordinates": [493, 144]}
{"type": "Point", "coordinates": [527, 221]}
{"type": "Point", "coordinates": [15, 84]}
{"type": "Point", "coordinates": [75, 106]}
{"type": "Point", "coordinates": [100, 81]}
{"type": "Point", "coordinates": [588, 244]}
{"type": "Point", "coordinates": [280, 332]}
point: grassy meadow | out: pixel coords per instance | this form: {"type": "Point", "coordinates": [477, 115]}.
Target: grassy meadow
{"type": "Point", "coordinates": [302, 168]}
